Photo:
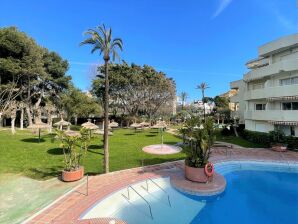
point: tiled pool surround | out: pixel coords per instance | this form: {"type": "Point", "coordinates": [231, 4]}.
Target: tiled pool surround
{"type": "Point", "coordinates": [69, 208]}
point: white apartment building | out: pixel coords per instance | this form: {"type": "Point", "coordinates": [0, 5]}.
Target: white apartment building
{"type": "Point", "coordinates": [267, 96]}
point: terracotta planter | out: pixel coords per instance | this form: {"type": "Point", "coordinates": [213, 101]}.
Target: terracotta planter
{"type": "Point", "coordinates": [195, 174]}
{"type": "Point", "coordinates": [279, 147]}
{"type": "Point", "coordinates": [69, 176]}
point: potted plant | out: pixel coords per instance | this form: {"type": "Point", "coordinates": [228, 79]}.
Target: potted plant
{"type": "Point", "coordinates": [201, 137]}
{"type": "Point", "coordinates": [74, 145]}
{"type": "Point", "coordinates": [277, 139]}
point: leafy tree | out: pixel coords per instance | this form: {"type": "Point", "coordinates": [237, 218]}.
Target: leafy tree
{"type": "Point", "coordinates": [101, 40]}
{"type": "Point", "coordinates": [137, 90]}
{"type": "Point", "coordinates": [20, 62]}
{"type": "Point", "coordinates": [37, 74]}
{"type": "Point", "coordinates": [221, 102]}
{"type": "Point", "coordinates": [222, 107]}
{"type": "Point", "coordinates": [77, 104]}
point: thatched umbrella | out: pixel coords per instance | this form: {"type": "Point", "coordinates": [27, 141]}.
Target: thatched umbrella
{"type": "Point", "coordinates": [145, 124]}
{"type": "Point", "coordinates": [135, 126]}
{"type": "Point", "coordinates": [62, 123]}
{"type": "Point", "coordinates": [101, 132]}
{"type": "Point", "coordinates": [113, 124]}
{"type": "Point", "coordinates": [39, 125]}
{"type": "Point", "coordinates": [161, 125]}
{"type": "Point", "coordinates": [90, 126]}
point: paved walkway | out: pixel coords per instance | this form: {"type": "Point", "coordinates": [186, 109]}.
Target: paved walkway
{"type": "Point", "coordinates": [69, 208]}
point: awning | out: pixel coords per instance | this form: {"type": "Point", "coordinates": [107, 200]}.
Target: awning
{"type": "Point", "coordinates": [290, 123]}
{"type": "Point", "coordinates": [282, 98]}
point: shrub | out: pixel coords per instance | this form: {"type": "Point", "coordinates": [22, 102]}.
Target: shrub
{"type": "Point", "coordinates": [201, 137]}
{"type": "Point", "coordinates": [268, 138]}
{"type": "Point", "coordinates": [292, 142]}
{"type": "Point", "coordinates": [257, 137]}
{"type": "Point", "coordinates": [227, 132]}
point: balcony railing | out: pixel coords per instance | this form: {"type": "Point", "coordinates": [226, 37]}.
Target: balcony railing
{"type": "Point", "coordinates": [272, 92]}
{"type": "Point", "coordinates": [257, 63]}
{"type": "Point", "coordinates": [272, 115]}
{"type": "Point", "coordinates": [275, 68]}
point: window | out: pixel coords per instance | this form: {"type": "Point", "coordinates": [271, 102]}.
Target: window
{"type": "Point", "coordinates": [260, 106]}
{"type": "Point", "coordinates": [290, 106]}
{"type": "Point", "coordinates": [286, 106]}
{"type": "Point", "coordinates": [292, 130]}
{"type": "Point", "coordinates": [289, 81]}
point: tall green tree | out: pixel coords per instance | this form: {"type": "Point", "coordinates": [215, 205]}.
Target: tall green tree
{"type": "Point", "coordinates": [137, 90]}
{"type": "Point", "coordinates": [77, 104]}
{"type": "Point", "coordinates": [102, 41]}
{"type": "Point", "coordinates": [203, 86]}
{"type": "Point", "coordinates": [35, 73]}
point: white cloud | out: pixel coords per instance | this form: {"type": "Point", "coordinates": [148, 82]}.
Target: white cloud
{"type": "Point", "coordinates": [223, 4]}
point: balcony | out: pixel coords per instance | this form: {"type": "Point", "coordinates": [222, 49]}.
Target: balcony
{"type": "Point", "coordinates": [272, 115]}
{"type": "Point", "coordinates": [268, 92]}
{"type": "Point", "coordinates": [236, 84]}
{"type": "Point", "coordinates": [257, 63]}
{"type": "Point", "coordinates": [275, 68]}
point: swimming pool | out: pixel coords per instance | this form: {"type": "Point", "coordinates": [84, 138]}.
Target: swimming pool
{"type": "Point", "coordinates": [256, 192]}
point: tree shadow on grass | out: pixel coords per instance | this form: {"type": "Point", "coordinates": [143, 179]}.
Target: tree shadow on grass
{"type": "Point", "coordinates": [92, 151]}
{"type": "Point", "coordinates": [55, 151]}
{"type": "Point", "coordinates": [33, 140]}
{"type": "Point", "coordinates": [154, 132]}
{"type": "Point", "coordinates": [150, 135]}
{"type": "Point", "coordinates": [44, 173]}
{"type": "Point", "coordinates": [129, 133]}
{"type": "Point", "coordinates": [95, 147]}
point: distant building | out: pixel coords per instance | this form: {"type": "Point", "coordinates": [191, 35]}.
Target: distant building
{"type": "Point", "coordinates": [228, 95]}
{"type": "Point", "coordinates": [200, 105]}
{"type": "Point", "coordinates": [267, 96]}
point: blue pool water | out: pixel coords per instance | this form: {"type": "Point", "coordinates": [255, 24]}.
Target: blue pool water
{"type": "Point", "coordinates": [253, 196]}
{"type": "Point", "coordinates": [256, 193]}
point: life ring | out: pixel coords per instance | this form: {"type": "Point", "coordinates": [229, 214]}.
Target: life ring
{"type": "Point", "coordinates": [209, 169]}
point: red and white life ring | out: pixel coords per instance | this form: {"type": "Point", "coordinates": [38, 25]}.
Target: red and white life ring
{"type": "Point", "coordinates": [209, 169]}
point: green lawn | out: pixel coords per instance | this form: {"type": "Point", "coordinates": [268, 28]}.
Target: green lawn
{"type": "Point", "coordinates": [21, 153]}
{"type": "Point", "coordinates": [238, 141]}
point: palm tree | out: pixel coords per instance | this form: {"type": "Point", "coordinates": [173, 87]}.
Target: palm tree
{"type": "Point", "coordinates": [183, 96]}
{"type": "Point", "coordinates": [203, 86]}
{"type": "Point", "coordinates": [101, 40]}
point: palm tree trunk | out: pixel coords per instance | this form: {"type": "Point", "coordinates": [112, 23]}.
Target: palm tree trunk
{"type": "Point", "coordinates": [203, 99]}
{"type": "Point", "coordinates": [106, 120]}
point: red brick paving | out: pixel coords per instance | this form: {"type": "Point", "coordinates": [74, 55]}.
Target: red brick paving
{"type": "Point", "coordinates": [69, 208]}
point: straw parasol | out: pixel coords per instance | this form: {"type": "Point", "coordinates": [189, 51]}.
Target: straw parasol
{"type": "Point", "coordinates": [145, 124]}
{"type": "Point", "coordinates": [62, 123]}
{"type": "Point", "coordinates": [101, 132]}
{"type": "Point", "coordinates": [90, 126]}
{"type": "Point", "coordinates": [135, 126]}
{"type": "Point", "coordinates": [113, 125]}
{"type": "Point", "coordinates": [160, 125]}
{"type": "Point", "coordinates": [39, 125]}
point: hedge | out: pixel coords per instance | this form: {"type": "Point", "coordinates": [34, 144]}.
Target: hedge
{"type": "Point", "coordinates": [265, 139]}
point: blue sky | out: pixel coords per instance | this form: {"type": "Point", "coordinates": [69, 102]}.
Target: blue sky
{"type": "Point", "coordinates": [190, 40]}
